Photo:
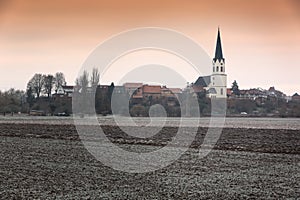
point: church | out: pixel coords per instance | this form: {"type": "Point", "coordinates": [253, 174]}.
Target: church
{"type": "Point", "coordinates": [215, 84]}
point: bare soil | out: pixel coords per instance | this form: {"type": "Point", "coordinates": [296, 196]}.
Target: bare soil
{"type": "Point", "coordinates": [43, 161]}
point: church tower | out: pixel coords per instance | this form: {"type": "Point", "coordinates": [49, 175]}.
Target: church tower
{"type": "Point", "coordinates": [218, 82]}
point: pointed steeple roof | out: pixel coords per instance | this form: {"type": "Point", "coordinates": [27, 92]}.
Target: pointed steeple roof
{"type": "Point", "coordinates": [218, 53]}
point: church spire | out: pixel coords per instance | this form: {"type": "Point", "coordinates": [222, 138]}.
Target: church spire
{"type": "Point", "coordinates": [218, 53]}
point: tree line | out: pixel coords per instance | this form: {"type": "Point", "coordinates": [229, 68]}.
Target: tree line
{"type": "Point", "coordinates": [38, 96]}
{"type": "Point", "coordinates": [45, 84]}
{"type": "Point", "coordinates": [14, 101]}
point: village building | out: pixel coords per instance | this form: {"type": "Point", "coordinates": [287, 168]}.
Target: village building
{"type": "Point", "coordinates": [296, 97]}
{"type": "Point", "coordinates": [252, 93]}
{"type": "Point", "coordinates": [170, 92]}
{"type": "Point", "coordinates": [64, 91]}
{"type": "Point", "coordinates": [151, 91]}
{"type": "Point", "coordinates": [130, 88]}
{"type": "Point", "coordinates": [215, 85]}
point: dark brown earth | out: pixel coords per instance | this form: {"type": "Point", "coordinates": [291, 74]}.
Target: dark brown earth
{"type": "Point", "coordinates": [241, 139]}
{"type": "Point", "coordinates": [40, 161]}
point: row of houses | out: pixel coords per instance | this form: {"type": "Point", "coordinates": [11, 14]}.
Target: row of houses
{"type": "Point", "coordinates": [138, 91]}
{"type": "Point", "coordinates": [255, 93]}
{"type": "Point", "coordinates": [134, 90]}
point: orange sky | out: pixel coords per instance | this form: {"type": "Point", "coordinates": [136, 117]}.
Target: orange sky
{"type": "Point", "coordinates": [261, 41]}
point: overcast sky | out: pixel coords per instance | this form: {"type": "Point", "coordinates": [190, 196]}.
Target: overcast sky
{"type": "Point", "coordinates": [261, 39]}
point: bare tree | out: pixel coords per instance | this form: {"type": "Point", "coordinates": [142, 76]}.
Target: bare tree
{"type": "Point", "coordinates": [49, 81]}
{"type": "Point", "coordinates": [36, 83]}
{"type": "Point", "coordinates": [95, 78]}
{"type": "Point", "coordinates": [80, 98]}
{"type": "Point", "coordinates": [77, 83]}
{"type": "Point", "coordinates": [83, 82]}
{"type": "Point", "coordinates": [59, 80]}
